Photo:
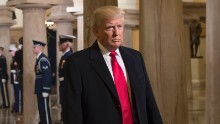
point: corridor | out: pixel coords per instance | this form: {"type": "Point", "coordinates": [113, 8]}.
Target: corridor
{"type": "Point", "coordinates": [196, 109]}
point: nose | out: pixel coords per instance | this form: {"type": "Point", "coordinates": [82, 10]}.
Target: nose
{"type": "Point", "coordinates": [116, 30]}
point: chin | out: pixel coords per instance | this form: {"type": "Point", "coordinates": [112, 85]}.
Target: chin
{"type": "Point", "coordinates": [115, 47]}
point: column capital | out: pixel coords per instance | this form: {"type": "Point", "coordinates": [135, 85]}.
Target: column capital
{"type": "Point", "coordinates": [33, 6]}
{"type": "Point", "coordinates": [6, 16]}
{"type": "Point", "coordinates": [16, 2]}
{"type": "Point", "coordinates": [59, 14]}
{"type": "Point", "coordinates": [131, 17]}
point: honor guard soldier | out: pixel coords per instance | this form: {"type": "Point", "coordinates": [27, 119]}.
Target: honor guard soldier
{"type": "Point", "coordinates": [43, 82]}
{"type": "Point", "coordinates": [19, 60]}
{"type": "Point", "coordinates": [14, 73]}
{"type": "Point", "coordinates": [4, 80]}
{"type": "Point", "coordinates": [65, 44]}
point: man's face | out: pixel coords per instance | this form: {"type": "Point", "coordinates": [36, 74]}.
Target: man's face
{"type": "Point", "coordinates": [37, 49]}
{"type": "Point", "coordinates": [12, 53]}
{"type": "Point", "coordinates": [110, 33]}
{"type": "Point", "coordinates": [63, 46]}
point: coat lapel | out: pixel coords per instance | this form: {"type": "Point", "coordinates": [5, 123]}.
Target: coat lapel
{"type": "Point", "coordinates": [99, 65]}
{"type": "Point", "coordinates": [129, 61]}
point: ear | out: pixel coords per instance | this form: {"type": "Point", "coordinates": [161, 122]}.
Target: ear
{"type": "Point", "coordinates": [66, 44]}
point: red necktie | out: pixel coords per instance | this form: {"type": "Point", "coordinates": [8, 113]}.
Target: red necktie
{"type": "Point", "coordinates": [122, 90]}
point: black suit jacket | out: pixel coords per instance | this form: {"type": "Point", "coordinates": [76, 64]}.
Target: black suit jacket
{"type": "Point", "coordinates": [91, 96]}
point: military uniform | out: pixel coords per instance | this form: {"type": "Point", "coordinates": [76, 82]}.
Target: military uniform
{"type": "Point", "coordinates": [61, 74]}
{"type": "Point", "coordinates": [66, 49]}
{"type": "Point", "coordinates": [14, 82]}
{"type": "Point", "coordinates": [4, 85]}
{"type": "Point", "coordinates": [16, 87]}
{"type": "Point", "coordinates": [19, 60]}
{"type": "Point", "coordinates": [43, 84]}
{"type": "Point", "coordinates": [19, 77]}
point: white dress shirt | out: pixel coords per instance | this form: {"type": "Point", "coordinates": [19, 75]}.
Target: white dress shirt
{"type": "Point", "coordinates": [107, 58]}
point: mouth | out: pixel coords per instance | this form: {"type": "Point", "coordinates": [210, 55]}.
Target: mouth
{"type": "Point", "coordinates": [116, 40]}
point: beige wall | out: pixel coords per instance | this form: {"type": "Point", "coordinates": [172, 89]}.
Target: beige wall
{"type": "Point", "coordinates": [135, 40]}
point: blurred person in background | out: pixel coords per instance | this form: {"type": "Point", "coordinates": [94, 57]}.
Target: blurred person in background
{"type": "Point", "coordinates": [43, 82]}
{"type": "Point", "coordinates": [4, 79]}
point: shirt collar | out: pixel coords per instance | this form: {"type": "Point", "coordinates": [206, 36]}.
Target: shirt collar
{"type": "Point", "coordinates": [38, 55]}
{"type": "Point", "coordinates": [105, 51]}
{"type": "Point", "coordinates": [66, 51]}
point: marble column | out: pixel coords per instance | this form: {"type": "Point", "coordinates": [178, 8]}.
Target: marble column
{"type": "Point", "coordinates": [212, 62]}
{"type": "Point", "coordinates": [5, 23]}
{"type": "Point", "coordinates": [80, 27]}
{"type": "Point", "coordinates": [163, 49]}
{"type": "Point", "coordinates": [131, 21]}
{"type": "Point", "coordinates": [89, 7]}
{"type": "Point", "coordinates": [188, 60]}
{"type": "Point", "coordinates": [34, 28]}
{"type": "Point", "coordinates": [77, 11]}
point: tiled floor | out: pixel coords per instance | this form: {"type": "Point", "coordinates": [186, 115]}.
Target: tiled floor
{"type": "Point", "coordinates": [196, 106]}
{"type": "Point", "coordinates": [6, 117]}
{"type": "Point", "coordinates": [196, 109]}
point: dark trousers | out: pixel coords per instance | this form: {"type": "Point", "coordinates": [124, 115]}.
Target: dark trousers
{"type": "Point", "coordinates": [44, 110]}
{"type": "Point", "coordinates": [18, 98]}
{"type": "Point", "coordinates": [20, 80]}
{"type": "Point", "coordinates": [61, 89]}
{"type": "Point", "coordinates": [5, 96]}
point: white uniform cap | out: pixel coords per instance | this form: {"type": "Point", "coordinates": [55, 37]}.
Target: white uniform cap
{"type": "Point", "coordinates": [12, 47]}
{"type": "Point", "coordinates": [67, 36]}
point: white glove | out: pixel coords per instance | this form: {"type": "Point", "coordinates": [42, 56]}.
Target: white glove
{"type": "Point", "coordinates": [14, 76]}
{"type": "Point", "coordinates": [16, 82]}
{"type": "Point", "coordinates": [3, 80]}
{"type": "Point", "coordinates": [45, 94]}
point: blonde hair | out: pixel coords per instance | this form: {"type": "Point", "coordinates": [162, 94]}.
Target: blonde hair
{"type": "Point", "coordinates": [106, 12]}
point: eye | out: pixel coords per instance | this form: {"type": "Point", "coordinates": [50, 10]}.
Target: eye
{"type": "Point", "coordinates": [109, 28]}
{"type": "Point", "coordinates": [119, 26]}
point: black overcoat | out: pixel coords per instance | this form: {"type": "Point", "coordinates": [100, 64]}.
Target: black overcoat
{"type": "Point", "coordinates": [91, 96]}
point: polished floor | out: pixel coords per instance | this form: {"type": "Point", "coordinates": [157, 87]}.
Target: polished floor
{"type": "Point", "coordinates": [196, 109]}
{"type": "Point", "coordinates": [196, 105]}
